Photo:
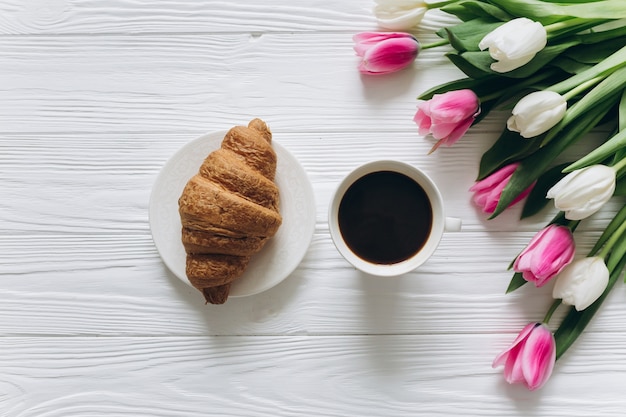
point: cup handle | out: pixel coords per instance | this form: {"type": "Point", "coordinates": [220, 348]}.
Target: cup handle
{"type": "Point", "coordinates": [452, 224]}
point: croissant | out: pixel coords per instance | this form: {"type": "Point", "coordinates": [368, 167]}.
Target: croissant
{"type": "Point", "coordinates": [229, 209]}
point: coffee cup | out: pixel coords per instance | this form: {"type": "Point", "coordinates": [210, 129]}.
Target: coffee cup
{"type": "Point", "coordinates": [387, 218]}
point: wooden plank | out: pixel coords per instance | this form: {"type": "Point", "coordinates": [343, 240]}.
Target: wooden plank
{"type": "Point", "coordinates": [101, 183]}
{"type": "Point", "coordinates": [190, 16]}
{"type": "Point", "coordinates": [433, 375]}
{"type": "Point", "coordinates": [117, 285]}
{"type": "Point", "coordinates": [175, 83]}
{"type": "Point", "coordinates": [126, 16]}
{"type": "Point", "coordinates": [97, 95]}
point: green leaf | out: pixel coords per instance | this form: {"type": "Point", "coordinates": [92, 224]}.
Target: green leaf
{"type": "Point", "coordinates": [460, 84]}
{"type": "Point", "coordinates": [495, 86]}
{"type": "Point", "coordinates": [516, 282]}
{"type": "Point", "coordinates": [473, 64]}
{"type": "Point", "coordinates": [571, 26]}
{"type": "Point", "coordinates": [570, 65]}
{"type": "Point", "coordinates": [615, 60]}
{"type": "Point", "coordinates": [469, 10]}
{"type": "Point", "coordinates": [541, 59]}
{"type": "Point", "coordinates": [619, 155]}
{"type": "Point", "coordinates": [509, 147]}
{"type": "Point", "coordinates": [600, 93]}
{"type": "Point", "coordinates": [620, 188]}
{"type": "Point", "coordinates": [591, 51]}
{"type": "Point", "coordinates": [600, 153]}
{"type": "Point", "coordinates": [594, 53]}
{"type": "Point", "coordinates": [611, 228]}
{"type": "Point", "coordinates": [575, 322]}
{"type": "Point", "coordinates": [549, 12]}
{"type": "Point", "coordinates": [459, 11]}
{"type": "Point", "coordinates": [614, 35]}
{"type": "Point", "coordinates": [466, 36]}
{"type": "Point", "coordinates": [478, 64]}
{"type": "Point", "coordinates": [535, 164]}
{"type": "Point", "coordinates": [618, 251]}
{"type": "Point", "coordinates": [537, 198]}
{"type": "Point", "coordinates": [621, 112]}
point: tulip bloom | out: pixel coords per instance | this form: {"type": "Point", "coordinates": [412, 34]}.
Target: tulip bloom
{"type": "Point", "coordinates": [447, 116]}
{"type": "Point", "coordinates": [548, 252]}
{"type": "Point", "coordinates": [384, 52]}
{"type": "Point", "coordinates": [514, 43]}
{"type": "Point", "coordinates": [582, 282]}
{"type": "Point", "coordinates": [487, 191]}
{"type": "Point", "coordinates": [399, 14]}
{"type": "Point", "coordinates": [584, 191]}
{"type": "Point", "coordinates": [531, 357]}
{"type": "Point", "coordinates": [536, 113]}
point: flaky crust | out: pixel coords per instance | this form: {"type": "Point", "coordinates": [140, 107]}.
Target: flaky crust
{"type": "Point", "coordinates": [230, 209]}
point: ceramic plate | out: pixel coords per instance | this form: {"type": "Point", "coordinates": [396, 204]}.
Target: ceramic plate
{"type": "Point", "coordinates": [278, 258]}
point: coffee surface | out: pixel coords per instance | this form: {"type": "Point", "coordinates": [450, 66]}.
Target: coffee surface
{"type": "Point", "coordinates": [385, 217]}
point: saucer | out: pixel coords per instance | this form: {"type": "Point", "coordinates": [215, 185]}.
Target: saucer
{"type": "Point", "coordinates": [278, 258]}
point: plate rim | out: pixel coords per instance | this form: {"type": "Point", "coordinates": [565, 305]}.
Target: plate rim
{"type": "Point", "coordinates": [217, 136]}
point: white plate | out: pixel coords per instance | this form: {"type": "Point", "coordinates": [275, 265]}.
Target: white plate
{"type": "Point", "coordinates": [278, 258]}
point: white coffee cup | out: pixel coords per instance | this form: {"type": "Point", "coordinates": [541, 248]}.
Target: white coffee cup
{"type": "Point", "coordinates": [438, 225]}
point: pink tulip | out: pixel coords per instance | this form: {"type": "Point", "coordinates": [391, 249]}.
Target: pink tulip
{"type": "Point", "coordinates": [548, 252]}
{"type": "Point", "coordinates": [531, 357]}
{"type": "Point", "coordinates": [385, 52]}
{"type": "Point", "coordinates": [447, 116]}
{"type": "Point", "coordinates": [487, 191]}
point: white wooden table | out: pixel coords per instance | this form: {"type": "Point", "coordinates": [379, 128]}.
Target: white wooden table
{"type": "Point", "coordinates": [96, 95]}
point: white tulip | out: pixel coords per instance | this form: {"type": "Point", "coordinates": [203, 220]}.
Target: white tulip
{"type": "Point", "coordinates": [399, 14]}
{"type": "Point", "coordinates": [582, 282]}
{"type": "Point", "coordinates": [583, 192]}
{"type": "Point", "coordinates": [514, 43]}
{"type": "Point", "coordinates": [536, 113]}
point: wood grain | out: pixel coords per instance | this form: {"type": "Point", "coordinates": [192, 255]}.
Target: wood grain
{"type": "Point", "coordinates": [260, 376]}
{"type": "Point", "coordinates": [122, 83]}
{"type": "Point", "coordinates": [97, 96]}
{"type": "Point", "coordinates": [132, 16]}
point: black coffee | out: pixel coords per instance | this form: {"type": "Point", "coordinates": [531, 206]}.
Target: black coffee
{"type": "Point", "coordinates": [385, 217]}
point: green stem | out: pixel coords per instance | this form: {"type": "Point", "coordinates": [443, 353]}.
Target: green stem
{"type": "Point", "coordinates": [434, 44]}
{"type": "Point", "coordinates": [487, 97]}
{"type": "Point", "coordinates": [615, 237]}
{"type": "Point", "coordinates": [605, 67]}
{"type": "Point", "coordinates": [573, 224]}
{"type": "Point", "coordinates": [564, 24]}
{"type": "Point", "coordinates": [582, 87]}
{"type": "Point", "coordinates": [619, 166]}
{"type": "Point", "coordinates": [575, 25]}
{"type": "Point", "coordinates": [551, 311]}
{"type": "Point", "coordinates": [540, 76]}
{"type": "Point", "coordinates": [439, 5]}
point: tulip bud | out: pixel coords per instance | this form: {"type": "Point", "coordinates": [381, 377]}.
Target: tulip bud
{"type": "Point", "coordinates": [514, 43]}
{"type": "Point", "coordinates": [531, 357]}
{"type": "Point", "coordinates": [582, 282]}
{"type": "Point", "coordinates": [399, 14]}
{"type": "Point", "coordinates": [385, 52]}
{"type": "Point", "coordinates": [487, 191]}
{"type": "Point", "coordinates": [548, 252]}
{"type": "Point", "coordinates": [447, 116]}
{"type": "Point", "coordinates": [583, 192]}
{"type": "Point", "coordinates": [536, 113]}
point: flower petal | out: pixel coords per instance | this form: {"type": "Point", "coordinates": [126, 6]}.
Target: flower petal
{"type": "Point", "coordinates": [582, 282]}
{"type": "Point", "coordinates": [538, 357]}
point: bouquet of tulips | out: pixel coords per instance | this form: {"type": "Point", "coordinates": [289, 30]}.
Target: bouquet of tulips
{"type": "Point", "coordinates": [560, 69]}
